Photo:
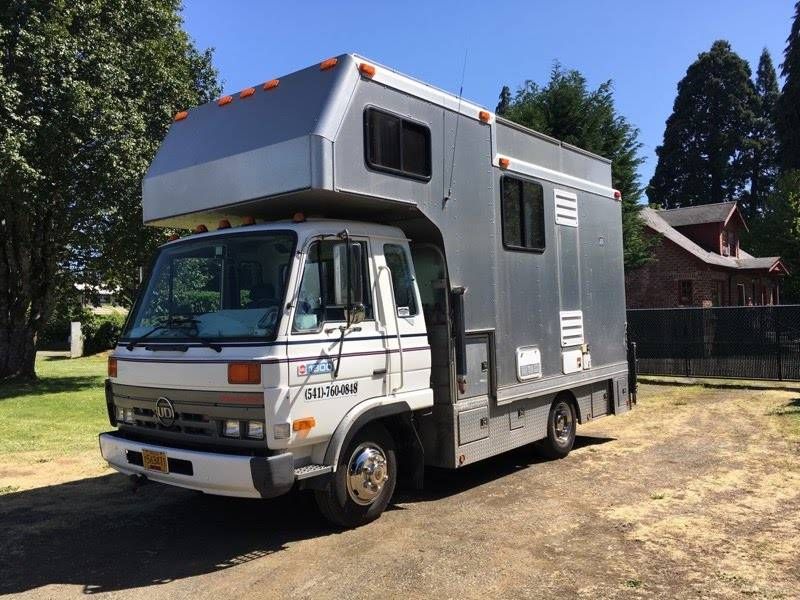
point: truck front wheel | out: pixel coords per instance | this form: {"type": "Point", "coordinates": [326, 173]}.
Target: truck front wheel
{"type": "Point", "coordinates": [364, 481]}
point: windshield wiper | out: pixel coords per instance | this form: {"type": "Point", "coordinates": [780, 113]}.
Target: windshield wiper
{"type": "Point", "coordinates": [208, 343]}
{"type": "Point", "coordinates": [170, 322]}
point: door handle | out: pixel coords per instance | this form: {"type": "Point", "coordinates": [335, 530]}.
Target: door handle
{"type": "Point", "coordinates": [379, 372]}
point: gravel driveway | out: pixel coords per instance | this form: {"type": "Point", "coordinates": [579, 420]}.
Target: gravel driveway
{"type": "Point", "coordinates": [696, 493]}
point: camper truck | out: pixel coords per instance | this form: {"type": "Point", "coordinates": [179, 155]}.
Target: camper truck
{"type": "Point", "coordinates": [381, 277]}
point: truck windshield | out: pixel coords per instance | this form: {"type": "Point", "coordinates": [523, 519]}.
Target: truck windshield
{"type": "Point", "coordinates": [220, 288]}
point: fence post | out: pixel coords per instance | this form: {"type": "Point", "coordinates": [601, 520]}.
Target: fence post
{"type": "Point", "coordinates": [778, 342]}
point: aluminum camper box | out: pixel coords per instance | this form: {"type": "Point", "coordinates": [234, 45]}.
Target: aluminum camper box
{"type": "Point", "coordinates": [516, 245]}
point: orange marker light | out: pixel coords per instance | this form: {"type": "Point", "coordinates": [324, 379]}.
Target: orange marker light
{"type": "Point", "coordinates": [503, 162]}
{"type": "Point", "coordinates": [112, 366]}
{"type": "Point", "coordinates": [200, 229]}
{"type": "Point", "coordinates": [224, 224]}
{"type": "Point", "coordinates": [304, 424]}
{"type": "Point", "coordinates": [484, 116]}
{"type": "Point", "coordinates": [180, 116]}
{"type": "Point", "coordinates": [246, 93]}
{"type": "Point", "coordinates": [173, 237]}
{"type": "Point", "coordinates": [225, 100]}
{"type": "Point", "coordinates": [298, 217]}
{"type": "Point", "coordinates": [244, 373]}
{"type": "Point", "coordinates": [248, 221]}
{"type": "Point", "coordinates": [328, 64]}
{"type": "Point", "coordinates": [271, 84]}
{"type": "Point", "coordinates": [366, 70]}
{"type": "Point", "coordinates": [617, 195]}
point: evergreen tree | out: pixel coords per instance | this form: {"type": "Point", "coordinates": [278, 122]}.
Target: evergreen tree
{"type": "Point", "coordinates": [788, 109]}
{"type": "Point", "coordinates": [705, 156]}
{"type": "Point", "coordinates": [505, 101]}
{"type": "Point", "coordinates": [567, 109]}
{"type": "Point", "coordinates": [764, 145]}
{"type": "Point", "coordinates": [87, 91]}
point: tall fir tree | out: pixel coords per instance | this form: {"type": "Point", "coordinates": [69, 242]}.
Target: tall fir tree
{"type": "Point", "coordinates": [788, 108]}
{"type": "Point", "coordinates": [764, 144]}
{"type": "Point", "coordinates": [504, 101]}
{"type": "Point", "coordinates": [705, 156]}
{"type": "Point", "coordinates": [567, 109]}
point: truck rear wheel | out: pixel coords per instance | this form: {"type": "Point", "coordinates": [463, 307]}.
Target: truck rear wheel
{"type": "Point", "coordinates": [364, 481]}
{"type": "Point", "coordinates": [561, 424]}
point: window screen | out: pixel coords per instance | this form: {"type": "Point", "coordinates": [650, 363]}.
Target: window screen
{"type": "Point", "coordinates": [316, 302]}
{"type": "Point", "coordinates": [397, 145]}
{"type": "Point", "coordinates": [522, 214]}
{"type": "Point", "coordinates": [405, 298]}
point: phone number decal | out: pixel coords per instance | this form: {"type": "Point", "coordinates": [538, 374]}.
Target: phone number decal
{"type": "Point", "coordinates": [334, 390]}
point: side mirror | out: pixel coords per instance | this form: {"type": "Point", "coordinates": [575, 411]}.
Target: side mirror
{"type": "Point", "coordinates": [348, 279]}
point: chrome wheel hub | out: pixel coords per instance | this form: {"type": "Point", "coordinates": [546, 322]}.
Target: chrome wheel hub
{"type": "Point", "coordinates": [367, 472]}
{"type": "Point", "coordinates": [563, 423]}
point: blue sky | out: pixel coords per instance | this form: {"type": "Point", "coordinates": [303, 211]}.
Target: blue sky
{"type": "Point", "coordinates": [644, 47]}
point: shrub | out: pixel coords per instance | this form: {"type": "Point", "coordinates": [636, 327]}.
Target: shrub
{"type": "Point", "coordinates": [100, 332]}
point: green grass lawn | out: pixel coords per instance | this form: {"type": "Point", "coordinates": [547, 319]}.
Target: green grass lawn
{"type": "Point", "coordinates": [61, 413]}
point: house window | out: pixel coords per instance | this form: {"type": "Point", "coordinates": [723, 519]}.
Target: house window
{"type": "Point", "coordinates": [685, 292]}
{"type": "Point", "coordinates": [397, 145]}
{"type": "Point", "coordinates": [716, 293]}
{"type": "Point", "coordinates": [522, 214]}
{"type": "Point", "coordinates": [740, 294]}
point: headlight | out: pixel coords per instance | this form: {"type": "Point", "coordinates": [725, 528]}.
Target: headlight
{"type": "Point", "coordinates": [129, 417]}
{"type": "Point", "coordinates": [120, 413]}
{"type": "Point", "coordinates": [231, 429]}
{"type": "Point", "coordinates": [255, 429]}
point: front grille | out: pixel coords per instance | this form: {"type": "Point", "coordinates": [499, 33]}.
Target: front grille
{"type": "Point", "coordinates": [198, 418]}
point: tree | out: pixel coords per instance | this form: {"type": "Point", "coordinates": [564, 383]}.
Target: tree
{"type": "Point", "coordinates": [87, 90]}
{"type": "Point", "coordinates": [705, 156]}
{"type": "Point", "coordinates": [788, 108]}
{"type": "Point", "coordinates": [777, 232]}
{"type": "Point", "coordinates": [504, 101]}
{"type": "Point", "coordinates": [764, 145]}
{"type": "Point", "coordinates": [567, 109]}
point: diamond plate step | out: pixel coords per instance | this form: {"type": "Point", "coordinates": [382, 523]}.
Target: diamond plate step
{"type": "Point", "coordinates": [311, 471]}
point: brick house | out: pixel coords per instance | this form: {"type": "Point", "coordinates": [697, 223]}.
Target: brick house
{"type": "Point", "coordinates": [698, 262]}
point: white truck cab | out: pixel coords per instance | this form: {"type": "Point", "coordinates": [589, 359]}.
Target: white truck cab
{"type": "Point", "coordinates": [397, 279]}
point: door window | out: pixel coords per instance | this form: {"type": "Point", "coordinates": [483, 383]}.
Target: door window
{"type": "Point", "coordinates": [405, 297]}
{"type": "Point", "coordinates": [323, 294]}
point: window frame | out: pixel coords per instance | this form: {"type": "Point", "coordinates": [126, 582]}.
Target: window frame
{"type": "Point", "coordinates": [398, 172]}
{"type": "Point", "coordinates": [410, 267]}
{"type": "Point", "coordinates": [512, 247]}
{"type": "Point", "coordinates": [681, 282]}
{"type": "Point", "coordinates": [368, 287]}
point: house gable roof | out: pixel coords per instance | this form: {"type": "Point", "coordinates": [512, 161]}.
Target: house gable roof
{"type": "Point", "coordinates": [721, 212]}
{"type": "Point", "coordinates": [655, 221]}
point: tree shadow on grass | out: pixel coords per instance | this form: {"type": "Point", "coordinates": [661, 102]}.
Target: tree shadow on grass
{"type": "Point", "coordinates": [49, 385]}
{"type": "Point", "coordinates": [98, 534]}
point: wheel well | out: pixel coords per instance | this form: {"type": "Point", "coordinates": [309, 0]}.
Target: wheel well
{"type": "Point", "coordinates": [570, 397]}
{"type": "Point", "coordinates": [410, 453]}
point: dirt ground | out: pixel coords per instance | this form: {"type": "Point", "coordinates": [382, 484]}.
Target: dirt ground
{"type": "Point", "coordinates": [695, 494]}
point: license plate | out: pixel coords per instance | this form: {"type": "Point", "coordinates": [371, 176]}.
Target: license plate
{"type": "Point", "coordinates": [155, 461]}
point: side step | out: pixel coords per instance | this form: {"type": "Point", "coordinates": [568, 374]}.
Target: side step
{"type": "Point", "coordinates": [301, 473]}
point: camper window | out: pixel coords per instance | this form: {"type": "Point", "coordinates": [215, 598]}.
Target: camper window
{"type": "Point", "coordinates": [318, 300]}
{"type": "Point", "coordinates": [405, 297]}
{"type": "Point", "coordinates": [522, 214]}
{"type": "Point", "coordinates": [397, 145]}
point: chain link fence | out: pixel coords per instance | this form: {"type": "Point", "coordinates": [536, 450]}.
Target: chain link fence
{"type": "Point", "coordinates": [743, 342]}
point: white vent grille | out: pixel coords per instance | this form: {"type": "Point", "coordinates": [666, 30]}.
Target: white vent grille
{"type": "Point", "coordinates": [566, 208]}
{"type": "Point", "coordinates": [571, 328]}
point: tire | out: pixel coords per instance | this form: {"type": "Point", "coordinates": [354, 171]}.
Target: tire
{"type": "Point", "coordinates": [351, 498]}
{"type": "Point", "coordinates": [561, 424]}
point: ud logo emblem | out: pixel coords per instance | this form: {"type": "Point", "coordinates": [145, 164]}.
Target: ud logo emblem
{"type": "Point", "coordinates": [165, 412]}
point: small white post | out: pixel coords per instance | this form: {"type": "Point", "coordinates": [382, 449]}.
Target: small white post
{"type": "Point", "coordinates": [75, 340]}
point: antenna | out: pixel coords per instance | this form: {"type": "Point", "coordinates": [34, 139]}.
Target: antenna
{"type": "Point", "coordinates": [455, 135]}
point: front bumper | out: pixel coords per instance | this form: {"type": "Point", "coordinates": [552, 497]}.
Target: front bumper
{"type": "Point", "coordinates": [212, 473]}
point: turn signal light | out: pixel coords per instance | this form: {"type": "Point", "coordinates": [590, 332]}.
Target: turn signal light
{"type": "Point", "coordinates": [304, 424]}
{"type": "Point", "coordinates": [112, 366]}
{"type": "Point", "coordinates": [201, 229]}
{"type": "Point", "coordinates": [298, 217]}
{"type": "Point", "coordinates": [271, 84]}
{"type": "Point", "coordinates": [484, 116]}
{"type": "Point", "coordinates": [503, 162]}
{"type": "Point", "coordinates": [328, 64]}
{"type": "Point", "coordinates": [248, 221]}
{"type": "Point", "coordinates": [366, 70]}
{"type": "Point", "coordinates": [224, 224]}
{"type": "Point", "coordinates": [244, 373]}
{"type": "Point", "coordinates": [225, 100]}
{"type": "Point", "coordinates": [181, 115]}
